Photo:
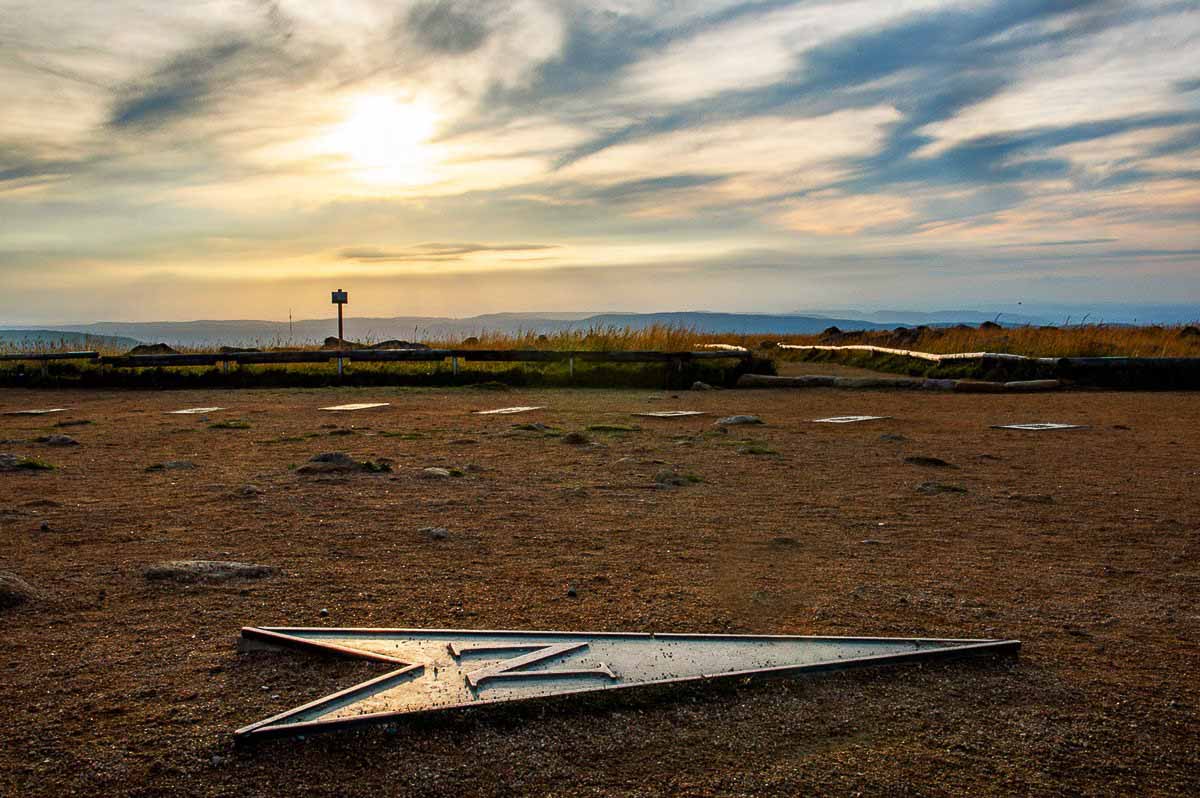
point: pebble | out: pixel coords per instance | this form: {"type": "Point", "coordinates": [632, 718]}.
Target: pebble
{"type": "Point", "coordinates": [435, 473]}
{"type": "Point", "coordinates": [435, 532]}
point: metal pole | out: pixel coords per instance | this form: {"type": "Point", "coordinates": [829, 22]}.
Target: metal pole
{"type": "Point", "coordinates": [341, 340]}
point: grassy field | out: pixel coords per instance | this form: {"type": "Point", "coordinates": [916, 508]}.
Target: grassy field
{"type": "Point", "coordinates": [1076, 341]}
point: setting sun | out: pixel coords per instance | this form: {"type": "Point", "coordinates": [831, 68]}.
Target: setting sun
{"type": "Point", "coordinates": [387, 141]}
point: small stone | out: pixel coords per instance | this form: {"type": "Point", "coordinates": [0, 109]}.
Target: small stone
{"type": "Point", "coordinates": [572, 592]}
{"type": "Point", "coordinates": [701, 386]}
{"type": "Point", "coordinates": [931, 462]}
{"type": "Point", "coordinates": [731, 421]}
{"type": "Point", "coordinates": [250, 490]}
{"type": "Point", "coordinates": [872, 542]}
{"type": "Point", "coordinates": [206, 570]}
{"type": "Point", "coordinates": [435, 532]}
{"type": "Point", "coordinates": [931, 488]}
{"type": "Point", "coordinates": [435, 473]}
{"type": "Point", "coordinates": [892, 437]}
{"type": "Point", "coordinates": [323, 612]}
{"type": "Point", "coordinates": [576, 439]}
{"type": "Point", "coordinates": [668, 478]}
{"type": "Point", "coordinates": [58, 440]}
{"type": "Point", "coordinates": [44, 526]}
{"type": "Point", "coordinates": [1032, 498]}
{"type": "Point", "coordinates": [172, 465]}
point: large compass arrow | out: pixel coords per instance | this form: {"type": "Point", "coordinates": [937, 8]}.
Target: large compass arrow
{"type": "Point", "coordinates": [443, 669]}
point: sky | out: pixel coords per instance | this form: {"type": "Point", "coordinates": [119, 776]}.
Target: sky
{"type": "Point", "coordinates": [240, 159]}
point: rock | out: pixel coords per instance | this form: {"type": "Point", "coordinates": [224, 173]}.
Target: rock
{"type": "Point", "coordinates": [576, 439]}
{"type": "Point", "coordinates": [16, 462]}
{"type": "Point", "coordinates": [250, 490]}
{"type": "Point", "coordinates": [435, 473]}
{"type": "Point", "coordinates": [892, 437]}
{"type": "Point", "coordinates": [701, 386]}
{"type": "Point", "coordinates": [44, 526]}
{"type": "Point", "coordinates": [14, 590]}
{"type": "Point", "coordinates": [535, 426]}
{"type": "Point", "coordinates": [152, 349]}
{"type": "Point", "coordinates": [172, 465]}
{"type": "Point", "coordinates": [435, 532]}
{"type": "Point", "coordinates": [323, 612]}
{"type": "Point", "coordinates": [730, 421]}
{"type": "Point", "coordinates": [931, 462]}
{"type": "Point", "coordinates": [668, 478]}
{"type": "Point", "coordinates": [206, 571]}
{"type": "Point", "coordinates": [1032, 498]}
{"type": "Point", "coordinates": [58, 440]}
{"type": "Point", "coordinates": [931, 488]}
{"type": "Point", "coordinates": [341, 463]}
{"type": "Point", "coordinates": [394, 344]}
{"type": "Point", "coordinates": [572, 591]}
{"type": "Point", "coordinates": [871, 542]}
{"type": "Point", "coordinates": [78, 422]}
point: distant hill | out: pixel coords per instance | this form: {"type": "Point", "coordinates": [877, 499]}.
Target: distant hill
{"type": "Point", "coordinates": [33, 340]}
{"type": "Point", "coordinates": [246, 332]}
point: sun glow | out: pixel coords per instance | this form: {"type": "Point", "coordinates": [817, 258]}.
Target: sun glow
{"type": "Point", "coordinates": [388, 141]}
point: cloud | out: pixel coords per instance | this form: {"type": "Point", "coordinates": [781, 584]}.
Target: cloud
{"type": "Point", "coordinates": [629, 132]}
{"type": "Point", "coordinates": [449, 27]}
{"type": "Point", "coordinates": [434, 252]}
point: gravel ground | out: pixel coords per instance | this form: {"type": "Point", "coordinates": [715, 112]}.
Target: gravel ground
{"type": "Point", "coordinates": [1081, 543]}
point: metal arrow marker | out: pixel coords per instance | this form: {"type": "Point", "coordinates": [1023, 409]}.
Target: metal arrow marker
{"type": "Point", "coordinates": [446, 669]}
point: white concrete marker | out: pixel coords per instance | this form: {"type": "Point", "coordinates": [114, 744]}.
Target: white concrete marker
{"type": "Point", "coordinates": [358, 406]}
{"type": "Point", "coordinates": [848, 419]}
{"type": "Point", "coordinates": [1038, 426]}
{"type": "Point", "coordinates": [34, 412]}
{"type": "Point", "coordinates": [508, 411]}
{"type": "Point", "coordinates": [672, 413]}
{"type": "Point", "coordinates": [193, 411]}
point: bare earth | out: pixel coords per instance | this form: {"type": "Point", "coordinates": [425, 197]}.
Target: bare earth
{"type": "Point", "coordinates": [1084, 544]}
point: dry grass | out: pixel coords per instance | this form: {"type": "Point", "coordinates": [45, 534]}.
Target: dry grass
{"type": "Point", "coordinates": [1078, 341]}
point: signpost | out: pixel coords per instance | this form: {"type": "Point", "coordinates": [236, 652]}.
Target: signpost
{"type": "Point", "coordinates": [340, 298]}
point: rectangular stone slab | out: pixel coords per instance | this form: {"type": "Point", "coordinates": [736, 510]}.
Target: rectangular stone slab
{"type": "Point", "coordinates": [508, 411]}
{"type": "Point", "coordinates": [1038, 426]}
{"type": "Point", "coordinates": [34, 412]}
{"type": "Point", "coordinates": [356, 406]}
{"type": "Point", "coordinates": [671, 413]}
{"type": "Point", "coordinates": [848, 419]}
{"type": "Point", "coordinates": [192, 411]}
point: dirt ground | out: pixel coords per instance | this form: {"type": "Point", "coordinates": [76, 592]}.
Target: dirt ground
{"type": "Point", "coordinates": [1083, 544]}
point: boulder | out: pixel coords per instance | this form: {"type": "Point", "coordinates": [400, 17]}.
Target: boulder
{"type": "Point", "coordinates": [152, 349]}
{"type": "Point", "coordinates": [14, 590]}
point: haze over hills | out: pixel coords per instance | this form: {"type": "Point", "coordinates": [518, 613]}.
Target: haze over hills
{"type": "Point", "coordinates": [32, 340]}
{"type": "Point", "coordinates": [253, 332]}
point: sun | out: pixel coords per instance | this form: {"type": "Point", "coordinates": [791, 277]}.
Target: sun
{"type": "Point", "coordinates": [387, 141]}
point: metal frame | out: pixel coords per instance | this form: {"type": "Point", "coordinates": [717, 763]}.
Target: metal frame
{"type": "Point", "coordinates": [257, 638]}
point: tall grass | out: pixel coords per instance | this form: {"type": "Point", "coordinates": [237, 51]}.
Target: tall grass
{"type": "Point", "coordinates": [1075, 341]}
